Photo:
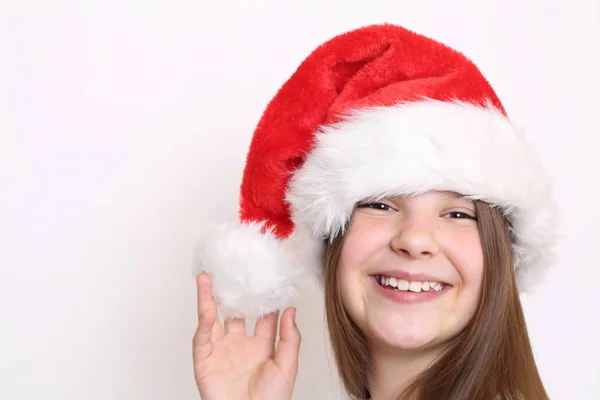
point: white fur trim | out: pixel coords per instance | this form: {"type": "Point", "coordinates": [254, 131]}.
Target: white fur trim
{"type": "Point", "coordinates": [429, 145]}
{"type": "Point", "coordinates": [255, 273]}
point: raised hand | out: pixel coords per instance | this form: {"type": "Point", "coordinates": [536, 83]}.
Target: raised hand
{"type": "Point", "coordinates": [230, 365]}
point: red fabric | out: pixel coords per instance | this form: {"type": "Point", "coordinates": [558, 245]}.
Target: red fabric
{"type": "Point", "coordinates": [376, 65]}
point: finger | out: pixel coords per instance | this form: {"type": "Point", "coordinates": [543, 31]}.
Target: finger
{"type": "Point", "coordinates": [202, 343]}
{"type": "Point", "coordinates": [266, 326]}
{"type": "Point", "coordinates": [235, 326]}
{"type": "Point", "coordinates": [209, 326]}
{"type": "Point", "coordinates": [205, 299]}
{"type": "Point", "coordinates": [288, 347]}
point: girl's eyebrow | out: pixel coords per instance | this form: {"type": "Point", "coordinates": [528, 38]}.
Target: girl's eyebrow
{"type": "Point", "coordinates": [455, 196]}
{"type": "Point", "coordinates": [452, 195]}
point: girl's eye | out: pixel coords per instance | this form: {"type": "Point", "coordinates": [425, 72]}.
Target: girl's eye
{"type": "Point", "coordinates": [376, 206]}
{"type": "Point", "coordinates": [461, 215]}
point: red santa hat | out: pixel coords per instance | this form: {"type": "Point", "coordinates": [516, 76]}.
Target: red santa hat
{"type": "Point", "coordinates": [375, 112]}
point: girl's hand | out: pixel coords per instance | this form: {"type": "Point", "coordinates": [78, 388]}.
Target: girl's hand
{"type": "Point", "coordinates": [230, 365]}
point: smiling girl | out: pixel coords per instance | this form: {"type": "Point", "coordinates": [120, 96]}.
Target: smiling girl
{"type": "Point", "coordinates": [386, 167]}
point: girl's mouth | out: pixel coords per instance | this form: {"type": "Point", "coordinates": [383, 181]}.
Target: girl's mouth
{"type": "Point", "coordinates": [405, 285]}
{"type": "Point", "coordinates": [408, 292]}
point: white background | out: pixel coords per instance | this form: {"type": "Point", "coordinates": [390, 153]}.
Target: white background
{"type": "Point", "coordinates": [124, 127]}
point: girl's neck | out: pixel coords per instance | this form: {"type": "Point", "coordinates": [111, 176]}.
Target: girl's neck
{"type": "Point", "coordinates": [393, 370]}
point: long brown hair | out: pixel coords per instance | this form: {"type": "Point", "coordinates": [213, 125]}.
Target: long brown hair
{"type": "Point", "coordinates": [490, 359]}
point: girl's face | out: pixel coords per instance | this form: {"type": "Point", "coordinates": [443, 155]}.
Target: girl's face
{"type": "Point", "coordinates": [415, 242]}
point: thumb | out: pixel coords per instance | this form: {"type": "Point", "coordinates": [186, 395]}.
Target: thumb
{"type": "Point", "coordinates": [288, 347]}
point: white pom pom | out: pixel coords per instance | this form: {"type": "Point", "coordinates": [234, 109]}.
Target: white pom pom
{"type": "Point", "coordinates": [254, 273]}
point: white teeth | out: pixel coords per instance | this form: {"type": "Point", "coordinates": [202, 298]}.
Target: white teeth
{"type": "Point", "coordinates": [404, 285]}
{"type": "Point", "coordinates": [415, 287]}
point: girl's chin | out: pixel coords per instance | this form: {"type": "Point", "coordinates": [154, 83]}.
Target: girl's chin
{"type": "Point", "coordinates": [405, 343]}
{"type": "Point", "coordinates": [406, 338]}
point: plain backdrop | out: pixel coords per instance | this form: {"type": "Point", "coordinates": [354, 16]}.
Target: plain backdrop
{"type": "Point", "coordinates": [124, 127]}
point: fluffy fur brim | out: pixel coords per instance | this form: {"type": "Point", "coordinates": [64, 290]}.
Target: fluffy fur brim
{"type": "Point", "coordinates": [416, 147]}
{"type": "Point", "coordinates": [254, 272]}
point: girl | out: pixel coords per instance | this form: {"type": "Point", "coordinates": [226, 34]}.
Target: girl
{"type": "Point", "coordinates": [385, 166]}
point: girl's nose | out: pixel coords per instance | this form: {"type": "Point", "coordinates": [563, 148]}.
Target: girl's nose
{"type": "Point", "coordinates": [415, 239]}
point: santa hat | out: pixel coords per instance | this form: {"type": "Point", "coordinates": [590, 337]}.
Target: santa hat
{"type": "Point", "coordinates": [375, 112]}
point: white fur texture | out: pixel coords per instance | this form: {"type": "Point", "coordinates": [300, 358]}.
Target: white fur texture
{"type": "Point", "coordinates": [254, 273]}
{"type": "Point", "coordinates": [430, 145]}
